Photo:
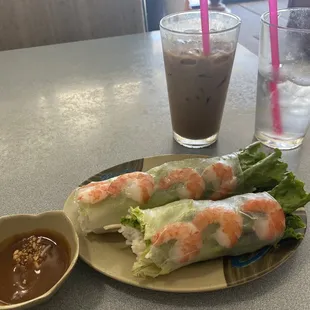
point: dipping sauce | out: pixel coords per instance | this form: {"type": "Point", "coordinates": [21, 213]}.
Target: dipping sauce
{"type": "Point", "coordinates": [31, 264]}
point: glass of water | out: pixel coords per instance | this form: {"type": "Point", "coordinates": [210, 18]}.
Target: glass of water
{"type": "Point", "coordinates": [293, 80]}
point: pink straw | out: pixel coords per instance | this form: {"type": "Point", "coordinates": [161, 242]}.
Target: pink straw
{"type": "Point", "coordinates": [274, 42]}
{"type": "Point", "coordinates": [204, 16]}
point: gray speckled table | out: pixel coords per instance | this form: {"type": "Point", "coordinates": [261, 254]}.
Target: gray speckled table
{"type": "Point", "coordinates": [68, 111]}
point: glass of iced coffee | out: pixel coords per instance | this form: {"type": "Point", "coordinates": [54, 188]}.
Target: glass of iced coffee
{"type": "Point", "coordinates": [197, 81]}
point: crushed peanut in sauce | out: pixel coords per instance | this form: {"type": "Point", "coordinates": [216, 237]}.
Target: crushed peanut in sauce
{"type": "Point", "coordinates": [32, 251]}
{"type": "Point", "coordinates": [31, 264]}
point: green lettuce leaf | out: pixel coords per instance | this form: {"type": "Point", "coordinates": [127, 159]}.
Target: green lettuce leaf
{"type": "Point", "coordinates": [266, 173]}
{"type": "Point", "coordinates": [134, 219]}
{"type": "Point", "coordinates": [290, 194]}
{"type": "Point", "coordinates": [250, 156]}
{"type": "Point", "coordinates": [144, 266]}
{"type": "Point", "coordinates": [293, 223]}
{"type": "Point", "coordinates": [131, 222]}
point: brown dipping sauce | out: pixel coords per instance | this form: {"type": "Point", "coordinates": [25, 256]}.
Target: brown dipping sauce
{"type": "Point", "coordinates": [31, 264]}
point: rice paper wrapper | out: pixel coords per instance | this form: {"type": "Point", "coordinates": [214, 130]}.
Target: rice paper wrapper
{"type": "Point", "coordinates": [97, 217]}
{"type": "Point", "coordinates": [205, 168]}
{"type": "Point", "coordinates": [175, 222]}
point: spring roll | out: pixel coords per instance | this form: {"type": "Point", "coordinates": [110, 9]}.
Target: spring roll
{"type": "Point", "coordinates": [187, 231]}
{"type": "Point", "coordinates": [102, 204]}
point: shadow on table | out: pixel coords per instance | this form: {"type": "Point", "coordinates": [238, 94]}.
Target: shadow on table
{"type": "Point", "coordinates": [209, 300]}
{"type": "Point", "coordinates": [220, 147]}
{"type": "Point", "coordinates": [211, 150]}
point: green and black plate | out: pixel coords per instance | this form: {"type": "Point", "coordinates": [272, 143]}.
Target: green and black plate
{"type": "Point", "coordinates": [109, 255]}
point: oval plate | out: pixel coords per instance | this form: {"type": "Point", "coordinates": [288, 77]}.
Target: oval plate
{"type": "Point", "coordinates": [109, 255]}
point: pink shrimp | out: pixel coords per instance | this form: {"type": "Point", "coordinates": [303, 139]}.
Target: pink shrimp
{"type": "Point", "coordinates": [194, 183]}
{"type": "Point", "coordinates": [222, 178]}
{"type": "Point", "coordinates": [230, 223]}
{"type": "Point", "coordinates": [270, 227]}
{"type": "Point", "coordinates": [93, 192]}
{"type": "Point", "coordinates": [188, 240]}
{"type": "Point", "coordinates": [139, 186]}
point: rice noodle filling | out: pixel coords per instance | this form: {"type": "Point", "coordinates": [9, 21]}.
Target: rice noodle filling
{"type": "Point", "coordinates": [134, 238]}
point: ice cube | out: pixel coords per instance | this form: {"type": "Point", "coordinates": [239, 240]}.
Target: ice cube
{"type": "Point", "coordinates": [192, 31]}
{"type": "Point", "coordinates": [298, 73]}
{"type": "Point", "coordinates": [301, 80]}
{"type": "Point", "coordinates": [192, 52]}
{"type": "Point", "coordinates": [188, 61]}
{"type": "Point", "coordinates": [266, 70]}
{"type": "Point", "coordinates": [180, 41]}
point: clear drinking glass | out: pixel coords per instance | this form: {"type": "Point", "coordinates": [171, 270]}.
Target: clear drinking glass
{"type": "Point", "coordinates": [293, 81]}
{"type": "Point", "coordinates": [197, 83]}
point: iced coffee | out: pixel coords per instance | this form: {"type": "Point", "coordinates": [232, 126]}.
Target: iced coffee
{"type": "Point", "coordinates": [197, 82]}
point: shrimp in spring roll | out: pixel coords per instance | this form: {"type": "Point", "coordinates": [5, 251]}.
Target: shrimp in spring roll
{"type": "Point", "coordinates": [169, 237]}
{"type": "Point", "coordinates": [102, 204]}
